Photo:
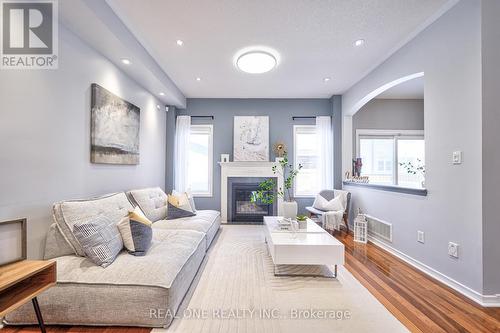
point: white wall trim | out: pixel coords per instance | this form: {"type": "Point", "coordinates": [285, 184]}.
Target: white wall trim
{"type": "Point", "coordinates": [483, 300]}
{"type": "Point", "coordinates": [380, 90]}
{"type": "Point", "coordinates": [246, 169]}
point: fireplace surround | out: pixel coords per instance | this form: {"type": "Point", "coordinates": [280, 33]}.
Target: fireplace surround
{"type": "Point", "coordinates": [262, 170]}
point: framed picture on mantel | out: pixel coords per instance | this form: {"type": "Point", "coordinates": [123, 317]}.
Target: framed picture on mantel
{"type": "Point", "coordinates": [12, 241]}
{"type": "Point", "coordinates": [251, 138]}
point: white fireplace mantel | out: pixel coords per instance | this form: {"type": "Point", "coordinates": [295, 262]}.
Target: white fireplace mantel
{"type": "Point", "coordinates": [245, 169]}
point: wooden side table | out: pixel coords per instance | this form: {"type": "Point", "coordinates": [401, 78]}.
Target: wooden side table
{"type": "Point", "coordinates": [22, 282]}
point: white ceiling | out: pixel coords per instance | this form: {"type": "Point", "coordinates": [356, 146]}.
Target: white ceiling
{"type": "Point", "coordinates": [412, 89]}
{"type": "Point", "coordinates": [314, 39]}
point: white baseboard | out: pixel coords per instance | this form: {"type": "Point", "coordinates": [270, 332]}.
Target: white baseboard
{"type": "Point", "coordinates": [483, 300]}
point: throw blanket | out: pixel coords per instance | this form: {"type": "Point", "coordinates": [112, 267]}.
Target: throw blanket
{"type": "Point", "coordinates": [332, 220]}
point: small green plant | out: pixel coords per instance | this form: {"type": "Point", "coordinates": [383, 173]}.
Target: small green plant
{"type": "Point", "coordinates": [268, 191]}
{"type": "Point", "coordinates": [301, 218]}
{"type": "Point", "coordinates": [412, 169]}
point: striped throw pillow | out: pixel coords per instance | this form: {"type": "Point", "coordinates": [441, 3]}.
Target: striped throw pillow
{"type": "Point", "coordinates": [100, 239]}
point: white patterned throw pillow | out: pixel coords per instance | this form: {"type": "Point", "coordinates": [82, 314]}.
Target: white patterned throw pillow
{"type": "Point", "coordinates": [333, 205]}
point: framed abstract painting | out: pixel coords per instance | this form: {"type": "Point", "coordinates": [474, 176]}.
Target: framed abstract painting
{"type": "Point", "coordinates": [251, 138]}
{"type": "Point", "coordinates": [115, 127]}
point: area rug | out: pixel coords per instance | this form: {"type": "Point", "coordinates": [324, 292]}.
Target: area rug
{"type": "Point", "coordinates": [236, 291]}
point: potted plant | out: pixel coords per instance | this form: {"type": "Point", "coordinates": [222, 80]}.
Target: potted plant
{"type": "Point", "coordinates": [302, 220]}
{"type": "Point", "coordinates": [415, 169]}
{"type": "Point", "coordinates": [268, 190]}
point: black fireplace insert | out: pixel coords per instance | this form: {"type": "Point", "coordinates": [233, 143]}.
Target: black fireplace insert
{"type": "Point", "coordinates": [242, 209]}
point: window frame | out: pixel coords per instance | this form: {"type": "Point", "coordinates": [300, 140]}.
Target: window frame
{"type": "Point", "coordinates": [295, 163]}
{"type": "Point", "coordinates": [396, 135]}
{"type": "Point", "coordinates": [201, 128]}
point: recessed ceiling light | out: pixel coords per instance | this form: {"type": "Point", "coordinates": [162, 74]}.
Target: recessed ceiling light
{"type": "Point", "coordinates": [161, 94]}
{"type": "Point", "coordinates": [180, 42]}
{"type": "Point", "coordinates": [326, 79]}
{"type": "Point", "coordinates": [198, 79]}
{"type": "Point", "coordinates": [126, 61]}
{"type": "Point", "coordinates": [359, 42]}
{"type": "Point", "coordinates": [256, 61]}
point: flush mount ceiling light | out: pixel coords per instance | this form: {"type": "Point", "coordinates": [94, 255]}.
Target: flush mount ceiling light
{"type": "Point", "coordinates": [326, 79]}
{"type": "Point", "coordinates": [256, 60]}
{"type": "Point", "coordinates": [126, 61]}
{"type": "Point", "coordinates": [180, 42]}
{"type": "Point", "coordinates": [161, 94]}
{"type": "Point", "coordinates": [359, 42]}
{"type": "Point", "coordinates": [198, 79]}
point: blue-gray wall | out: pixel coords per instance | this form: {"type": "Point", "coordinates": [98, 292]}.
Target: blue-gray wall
{"type": "Point", "coordinates": [280, 112]}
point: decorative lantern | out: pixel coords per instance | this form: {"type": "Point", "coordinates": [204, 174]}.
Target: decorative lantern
{"type": "Point", "coordinates": [360, 228]}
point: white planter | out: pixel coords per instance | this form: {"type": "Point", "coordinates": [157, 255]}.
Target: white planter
{"type": "Point", "coordinates": [290, 209]}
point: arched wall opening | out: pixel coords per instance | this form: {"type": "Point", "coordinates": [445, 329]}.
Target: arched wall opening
{"type": "Point", "coordinates": [387, 134]}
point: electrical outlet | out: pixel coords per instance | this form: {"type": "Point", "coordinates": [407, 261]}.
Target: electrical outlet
{"type": "Point", "coordinates": [457, 157]}
{"type": "Point", "coordinates": [420, 237]}
{"type": "Point", "coordinates": [453, 249]}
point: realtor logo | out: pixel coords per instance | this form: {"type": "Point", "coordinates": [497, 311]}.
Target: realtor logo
{"type": "Point", "coordinates": [29, 35]}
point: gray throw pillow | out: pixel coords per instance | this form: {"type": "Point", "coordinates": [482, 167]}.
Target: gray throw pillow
{"type": "Point", "coordinates": [174, 212]}
{"type": "Point", "coordinates": [136, 232]}
{"type": "Point", "coordinates": [100, 239]}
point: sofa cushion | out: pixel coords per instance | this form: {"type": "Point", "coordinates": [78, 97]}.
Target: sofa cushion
{"type": "Point", "coordinates": [190, 198]}
{"type": "Point", "coordinates": [152, 201]}
{"type": "Point", "coordinates": [136, 232]}
{"type": "Point", "coordinates": [125, 292]}
{"type": "Point", "coordinates": [206, 221]}
{"type": "Point", "coordinates": [68, 213]}
{"type": "Point", "coordinates": [55, 244]}
{"type": "Point", "coordinates": [100, 239]}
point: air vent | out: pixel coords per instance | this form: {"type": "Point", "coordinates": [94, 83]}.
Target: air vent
{"type": "Point", "coordinates": [379, 229]}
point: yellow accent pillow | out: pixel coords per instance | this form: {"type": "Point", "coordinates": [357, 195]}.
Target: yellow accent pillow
{"type": "Point", "coordinates": [139, 216]}
{"type": "Point", "coordinates": [173, 200]}
{"type": "Point", "coordinates": [180, 201]}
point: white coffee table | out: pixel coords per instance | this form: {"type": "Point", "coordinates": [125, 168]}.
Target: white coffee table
{"type": "Point", "coordinates": [311, 246]}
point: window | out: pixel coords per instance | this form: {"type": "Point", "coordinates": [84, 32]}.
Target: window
{"type": "Point", "coordinates": [306, 154]}
{"type": "Point", "coordinates": [392, 157]}
{"type": "Point", "coordinates": [200, 160]}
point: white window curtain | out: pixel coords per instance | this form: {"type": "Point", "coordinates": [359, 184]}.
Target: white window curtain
{"type": "Point", "coordinates": [324, 136]}
{"type": "Point", "coordinates": [182, 136]}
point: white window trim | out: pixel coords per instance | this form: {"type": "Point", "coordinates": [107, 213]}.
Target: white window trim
{"type": "Point", "coordinates": [208, 194]}
{"type": "Point", "coordinates": [393, 134]}
{"type": "Point", "coordinates": [295, 164]}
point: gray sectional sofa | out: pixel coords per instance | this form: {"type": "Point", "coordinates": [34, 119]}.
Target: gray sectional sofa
{"type": "Point", "coordinates": [132, 291]}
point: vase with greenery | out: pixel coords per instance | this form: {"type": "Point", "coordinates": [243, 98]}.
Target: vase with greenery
{"type": "Point", "coordinates": [269, 192]}
{"type": "Point", "coordinates": [417, 168]}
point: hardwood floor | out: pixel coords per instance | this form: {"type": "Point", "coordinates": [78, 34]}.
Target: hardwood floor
{"type": "Point", "coordinates": [421, 303]}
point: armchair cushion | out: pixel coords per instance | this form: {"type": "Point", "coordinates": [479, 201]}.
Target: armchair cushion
{"type": "Point", "coordinates": [323, 204]}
